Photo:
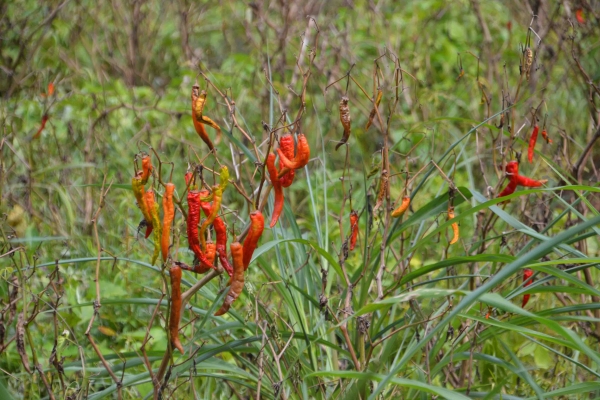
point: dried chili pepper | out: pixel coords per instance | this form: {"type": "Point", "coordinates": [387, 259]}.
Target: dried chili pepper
{"type": "Point", "coordinates": [383, 190]}
{"type": "Point", "coordinates": [146, 168]}
{"type": "Point", "coordinates": [42, 126]}
{"type": "Point", "coordinates": [176, 304]}
{"type": "Point", "coordinates": [220, 233]}
{"type": "Point", "coordinates": [237, 280]}
{"type": "Point", "coordinates": [374, 110]}
{"type": "Point", "coordinates": [528, 56]}
{"type": "Point", "coordinates": [257, 224]}
{"type": "Point", "coordinates": [398, 212]}
{"type": "Point", "coordinates": [528, 182]}
{"type": "Point", "coordinates": [286, 144]}
{"type": "Point", "coordinates": [168, 216]}
{"type": "Point", "coordinates": [140, 197]}
{"type": "Point", "coordinates": [216, 196]}
{"type": "Point", "coordinates": [545, 136]}
{"type": "Point", "coordinates": [153, 209]}
{"type": "Point", "coordinates": [527, 280]}
{"type": "Point", "coordinates": [345, 120]}
{"type": "Point", "coordinates": [455, 231]}
{"type": "Point", "coordinates": [193, 219]}
{"type": "Point", "coordinates": [299, 161]}
{"type": "Point", "coordinates": [532, 142]}
{"type": "Point", "coordinates": [278, 203]}
{"type": "Point", "coordinates": [353, 229]}
{"type": "Point", "coordinates": [20, 340]}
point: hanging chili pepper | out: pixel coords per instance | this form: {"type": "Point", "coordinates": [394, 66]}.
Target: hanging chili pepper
{"type": "Point", "coordinates": [211, 252]}
{"type": "Point", "coordinates": [146, 168]}
{"type": "Point", "coordinates": [176, 304]}
{"type": "Point", "coordinates": [545, 136]}
{"type": "Point", "coordinates": [257, 224]}
{"type": "Point", "coordinates": [579, 16]}
{"type": "Point", "coordinates": [50, 89]}
{"type": "Point", "coordinates": [532, 142]}
{"type": "Point", "coordinates": [345, 120]}
{"type": "Point", "coordinates": [42, 126]}
{"type": "Point", "coordinates": [374, 110]}
{"type": "Point", "coordinates": [140, 197]}
{"type": "Point", "coordinates": [454, 226]}
{"type": "Point", "coordinates": [383, 190]}
{"type": "Point", "coordinates": [398, 212]}
{"type": "Point", "coordinates": [528, 56]}
{"type": "Point", "coordinates": [193, 219]}
{"type": "Point", "coordinates": [237, 280]}
{"type": "Point", "coordinates": [224, 178]}
{"type": "Point", "coordinates": [286, 144]}
{"type": "Point", "coordinates": [216, 196]}
{"type": "Point", "coordinates": [153, 209]}
{"type": "Point", "coordinates": [168, 216]}
{"type": "Point", "coordinates": [278, 203]}
{"type": "Point", "coordinates": [527, 280]}
{"type": "Point", "coordinates": [509, 189]}
{"type": "Point", "coordinates": [220, 233]}
{"type": "Point", "coordinates": [198, 104]}
{"type": "Point", "coordinates": [353, 229]}
{"type": "Point", "coordinates": [301, 159]}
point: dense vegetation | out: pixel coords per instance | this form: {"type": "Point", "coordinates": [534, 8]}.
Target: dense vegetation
{"type": "Point", "coordinates": [405, 314]}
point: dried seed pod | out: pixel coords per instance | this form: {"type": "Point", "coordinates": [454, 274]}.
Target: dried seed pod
{"type": "Point", "coordinates": [374, 110]}
{"type": "Point", "coordinates": [20, 339]}
{"type": "Point", "coordinates": [345, 120]}
{"type": "Point", "coordinates": [528, 56]}
{"type": "Point", "coordinates": [299, 161]}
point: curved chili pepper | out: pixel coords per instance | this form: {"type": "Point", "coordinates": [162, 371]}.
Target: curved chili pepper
{"type": "Point", "coordinates": [301, 159]}
{"type": "Point", "coordinates": [384, 184]}
{"type": "Point", "coordinates": [153, 208]}
{"type": "Point", "coordinates": [176, 303]}
{"type": "Point", "coordinates": [579, 15]}
{"type": "Point", "coordinates": [345, 120]}
{"type": "Point", "coordinates": [140, 197]}
{"type": "Point", "coordinates": [532, 142]}
{"type": "Point", "coordinates": [220, 233]}
{"type": "Point", "coordinates": [527, 274]}
{"type": "Point", "coordinates": [455, 231]}
{"type": "Point", "coordinates": [402, 207]}
{"type": "Point", "coordinates": [353, 229]}
{"type": "Point", "coordinates": [211, 252]}
{"type": "Point", "coordinates": [278, 204]}
{"type": "Point", "coordinates": [509, 189]}
{"type": "Point", "coordinates": [193, 219]}
{"type": "Point", "coordinates": [197, 106]}
{"type": "Point", "coordinates": [237, 280]}
{"type": "Point", "coordinates": [512, 170]}
{"type": "Point", "coordinates": [146, 168]}
{"type": "Point", "coordinates": [545, 136]}
{"type": "Point", "coordinates": [286, 144]}
{"type": "Point", "coordinates": [528, 182]}
{"type": "Point", "coordinates": [374, 110]}
{"type": "Point", "coordinates": [188, 178]}
{"type": "Point", "coordinates": [42, 126]}
{"type": "Point", "coordinates": [257, 224]}
{"type": "Point", "coordinates": [168, 216]}
{"type": "Point", "coordinates": [217, 196]}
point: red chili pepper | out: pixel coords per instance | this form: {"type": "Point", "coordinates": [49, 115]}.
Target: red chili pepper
{"type": "Point", "coordinates": [39, 132]}
{"type": "Point", "coordinates": [579, 16]}
{"type": "Point", "coordinates": [286, 144]}
{"type": "Point", "coordinates": [301, 159]}
{"type": "Point", "coordinates": [176, 304]}
{"type": "Point", "coordinates": [140, 196]}
{"type": "Point", "coordinates": [193, 199]}
{"type": "Point", "coordinates": [220, 232]}
{"type": "Point", "coordinates": [237, 280]}
{"type": "Point", "coordinates": [546, 138]}
{"type": "Point", "coordinates": [532, 142]}
{"type": "Point", "coordinates": [211, 251]}
{"type": "Point", "coordinates": [527, 274]}
{"type": "Point", "coordinates": [278, 204]}
{"type": "Point", "coordinates": [353, 229]}
{"type": "Point", "coordinates": [257, 224]}
{"type": "Point", "coordinates": [153, 209]}
{"type": "Point", "coordinates": [188, 178]}
{"type": "Point", "coordinates": [509, 189]}
{"type": "Point", "coordinates": [512, 170]}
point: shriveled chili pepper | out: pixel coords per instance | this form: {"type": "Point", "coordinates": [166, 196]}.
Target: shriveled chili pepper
{"type": "Point", "coordinates": [527, 280]}
{"type": "Point", "coordinates": [345, 120]}
{"type": "Point", "coordinates": [42, 126]}
{"type": "Point", "coordinates": [140, 197]}
{"type": "Point", "coordinates": [299, 161]}
{"type": "Point", "coordinates": [146, 168]}
{"type": "Point", "coordinates": [532, 142]}
{"type": "Point", "coordinates": [176, 303]}
{"type": "Point", "coordinates": [278, 203]}
{"type": "Point", "coordinates": [374, 110]}
{"type": "Point", "coordinates": [220, 233]}
{"type": "Point", "coordinates": [286, 144]}
{"type": "Point", "coordinates": [455, 231]}
{"type": "Point", "coordinates": [217, 196]}
{"type": "Point", "coordinates": [383, 190]}
{"type": "Point", "coordinates": [401, 209]}
{"type": "Point", "coordinates": [545, 136]}
{"type": "Point", "coordinates": [168, 216]}
{"type": "Point", "coordinates": [237, 280]}
{"type": "Point", "coordinates": [211, 252]}
{"type": "Point", "coordinates": [193, 219]}
{"type": "Point", "coordinates": [528, 57]}
{"type": "Point", "coordinates": [353, 229]}
{"type": "Point", "coordinates": [257, 224]}
{"type": "Point", "coordinates": [153, 209]}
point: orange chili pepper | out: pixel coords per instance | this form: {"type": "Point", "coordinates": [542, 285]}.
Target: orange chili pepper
{"type": "Point", "coordinates": [176, 303]}
{"type": "Point", "coordinates": [278, 204]}
{"type": "Point", "coordinates": [146, 168]}
{"type": "Point", "coordinates": [153, 209]}
{"type": "Point", "coordinates": [301, 159]}
{"type": "Point", "coordinates": [237, 280]}
{"type": "Point", "coordinates": [257, 224]}
{"type": "Point", "coordinates": [454, 226]}
{"type": "Point", "coordinates": [43, 125]}
{"type": "Point", "coordinates": [402, 207]}
{"type": "Point", "coordinates": [532, 142]}
{"type": "Point", "coordinates": [286, 144]}
{"type": "Point", "coordinates": [140, 197]}
{"type": "Point", "coordinates": [168, 216]}
{"type": "Point", "coordinates": [353, 229]}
